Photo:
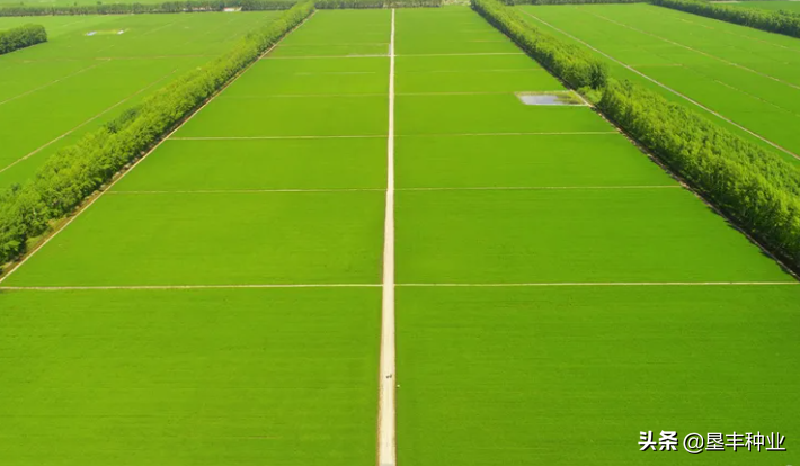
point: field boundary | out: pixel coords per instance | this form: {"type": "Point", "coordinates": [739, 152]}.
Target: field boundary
{"type": "Point", "coordinates": [66, 221]}
{"type": "Point", "coordinates": [387, 442]}
{"type": "Point", "coordinates": [187, 287]}
{"type": "Point", "coordinates": [405, 285]}
{"type": "Point", "coordinates": [664, 86]}
{"type": "Point", "coordinates": [134, 192]}
{"type": "Point", "coordinates": [568, 284]}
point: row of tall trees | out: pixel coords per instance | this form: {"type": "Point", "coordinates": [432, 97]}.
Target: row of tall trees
{"type": "Point", "coordinates": [341, 4]}
{"type": "Point", "coordinates": [143, 8]}
{"type": "Point", "coordinates": [756, 188]}
{"type": "Point", "coordinates": [564, 2]}
{"type": "Point", "coordinates": [75, 172]}
{"type": "Point", "coordinates": [781, 22]}
{"type": "Point", "coordinates": [568, 62]}
{"type": "Point", "coordinates": [21, 37]}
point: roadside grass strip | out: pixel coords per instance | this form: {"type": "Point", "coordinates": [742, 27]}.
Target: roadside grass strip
{"type": "Point", "coordinates": [745, 76]}
{"type": "Point", "coordinates": [565, 376]}
{"type": "Point", "coordinates": [143, 377]}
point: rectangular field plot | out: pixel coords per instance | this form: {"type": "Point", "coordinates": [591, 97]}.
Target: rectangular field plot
{"type": "Point", "coordinates": [471, 73]}
{"type": "Point", "coordinates": [489, 114]}
{"type": "Point", "coordinates": [366, 75]}
{"type": "Point", "coordinates": [339, 32]}
{"type": "Point", "coordinates": [189, 377]}
{"type": "Point", "coordinates": [215, 239]}
{"type": "Point", "coordinates": [749, 76]}
{"type": "Point", "coordinates": [524, 161]}
{"type": "Point", "coordinates": [570, 236]}
{"type": "Point", "coordinates": [291, 116]}
{"type": "Point", "coordinates": [570, 376]}
{"type": "Point", "coordinates": [446, 31]}
{"type": "Point", "coordinates": [252, 164]}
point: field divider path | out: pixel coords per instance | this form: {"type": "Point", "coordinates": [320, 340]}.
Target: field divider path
{"type": "Point", "coordinates": [380, 285]}
{"type": "Point", "coordinates": [86, 122]}
{"type": "Point", "coordinates": [92, 199]}
{"type": "Point", "coordinates": [234, 138]}
{"type": "Point", "coordinates": [188, 287]}
{"type": "Point", "coordinates": [667, 88]}
{"type": "Point", "coordinates": [387, 448]}
{"type": "Point", "coordinates": [331, 190]}
{"type": "Point", "coordinates": [512, 285]}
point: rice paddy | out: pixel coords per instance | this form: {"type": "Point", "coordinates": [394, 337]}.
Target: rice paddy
{"type": "Point", "coordinates": [556, 291]}
{"type": "Point", "coordinates": [748, 76]}
{"type": "Point", "coordinates": [792, 6]}
{"type": "Point", "coordinates": [53, 93]}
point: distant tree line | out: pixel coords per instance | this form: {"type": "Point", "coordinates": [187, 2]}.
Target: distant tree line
{"type": "Point", "coordinates": [568, 62]}
{"type": "Point", "coordinates": [564, 2]}
{"type": "Point", "coordinates": [21, 37]}
{"type": "Point", "coordinates": [756, 188]}
{"type": "Point", "coordinates": [73, 173]}
{"type": "Point", "coordinates": [342, 4]}
{"type": "Point", "coordinates": [780, 22]}
{"type": "Point", "coordinates": [144, 8]}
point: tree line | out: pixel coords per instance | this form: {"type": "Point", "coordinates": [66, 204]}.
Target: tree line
{"type": "Point", "coordinates": [780, 22]}
{"type": "Point", "coordinates": [756, 188]}
{"type": "Point", "coordinates": [200, 6]}
{"type": "Point", "coordinates": [139, 8]}
{"type": "Point", "coordinates": [21, 37]}
{"type": "Point", "coordinates": [564, 2]}
{"type": "Point", "coordinates": [342, 4]}
{"type": "Point", "coordinates": [74, 172]}
{"type": "Point", "coordinates": [568, 62]}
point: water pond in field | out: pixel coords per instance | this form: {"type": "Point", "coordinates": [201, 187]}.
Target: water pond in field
{"type": "Point", "coordinates": [550, 98]}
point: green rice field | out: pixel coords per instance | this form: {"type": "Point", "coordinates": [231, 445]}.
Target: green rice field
{"type": "Point", "coordinates": [748, 76]}
{"type": "Point", "coordinates": [556, 292]}
{"type": "Point", "coordinates": [775, 5]}
{"type": "Point", "coordinates": [53, 93]}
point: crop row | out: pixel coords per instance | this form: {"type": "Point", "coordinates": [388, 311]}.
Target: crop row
{"type": "Point", "coordinates": [756, 188]}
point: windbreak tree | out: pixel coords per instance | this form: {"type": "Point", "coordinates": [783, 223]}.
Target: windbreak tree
{"type": "Point", "coordinates": [21, 37]}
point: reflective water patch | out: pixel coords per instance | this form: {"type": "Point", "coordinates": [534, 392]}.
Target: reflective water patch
{"type": "Point", "coordinates": [551, 98]}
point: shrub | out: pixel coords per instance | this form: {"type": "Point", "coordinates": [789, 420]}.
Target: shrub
{"type": "Point", "coordinates": [20, 37]}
